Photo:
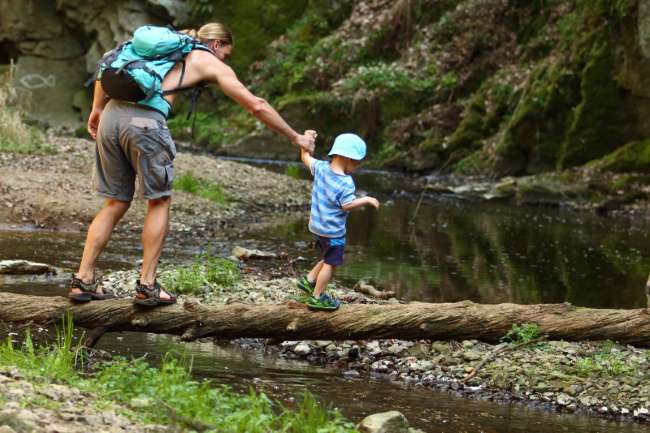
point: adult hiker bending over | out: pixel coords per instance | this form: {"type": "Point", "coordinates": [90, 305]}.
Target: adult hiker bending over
{"type": "Point", "coordinates": [135, 89]}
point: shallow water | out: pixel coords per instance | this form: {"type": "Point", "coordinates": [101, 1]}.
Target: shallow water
{"type": "Point", "coordinates": [453, 250]}
{"type": "Point", "coordinates": [432, 411]}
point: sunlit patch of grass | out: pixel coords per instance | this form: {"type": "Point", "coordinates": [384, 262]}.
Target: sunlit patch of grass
{"type": "Point", "coordinates": [170, 395]}
{"type": "Point", "coordinates": [209, 190]}
{"type": "Point", "coordinates": [54, 362]}
{"type": "Point", "coordinates": [292, 171]}
{"type": "Point", "coordinates": [15, 135]}
{"type": "Point", "coordinates": [206, 274]}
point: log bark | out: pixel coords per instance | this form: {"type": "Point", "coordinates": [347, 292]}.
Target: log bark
{"type": "Point", "coordinates": [294, 321]}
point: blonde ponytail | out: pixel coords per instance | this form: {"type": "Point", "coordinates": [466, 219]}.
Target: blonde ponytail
{"type": "Point", "coordinates": [212, 32]}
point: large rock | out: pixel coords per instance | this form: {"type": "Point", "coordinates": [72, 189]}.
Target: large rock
{"type": "Point", "coordinates": [16, 267]}
{"type": "Point", "coordinates": [56, 46]}
{"type": "Point", "coordinates": [384, 422]}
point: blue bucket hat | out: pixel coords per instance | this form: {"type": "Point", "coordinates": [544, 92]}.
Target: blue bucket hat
{"type": "Point", "coordinates": [349, 145]}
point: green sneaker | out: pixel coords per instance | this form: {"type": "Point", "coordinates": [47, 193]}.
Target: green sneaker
{"type": "Point", "coordinates": [304, 285]}
{"type": "Point", "coordinates": [325, 302]}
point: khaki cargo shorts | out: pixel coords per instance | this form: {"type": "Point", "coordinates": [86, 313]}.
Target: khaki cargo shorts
{"type": "Point", "coordinates": [133, 142]}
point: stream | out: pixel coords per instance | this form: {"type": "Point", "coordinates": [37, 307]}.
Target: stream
{"type": "Point", "coordinates": [453, 250]}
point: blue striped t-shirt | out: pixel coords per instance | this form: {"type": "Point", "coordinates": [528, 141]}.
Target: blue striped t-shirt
{"type": "Point", "coordinates": [328, 195]}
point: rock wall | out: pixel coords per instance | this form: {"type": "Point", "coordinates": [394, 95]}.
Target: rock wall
{"type": "Point", "coordinates": [56, 46]}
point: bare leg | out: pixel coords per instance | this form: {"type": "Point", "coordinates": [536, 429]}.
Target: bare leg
{"type": "Point", "coordinates": [156, 226]}
{"type": "Point", "coordinates": [99, 233]}
{"type": "Point", "coordinates": [324, 277]}
{"type": "Point", "coordinates": [313, 274]}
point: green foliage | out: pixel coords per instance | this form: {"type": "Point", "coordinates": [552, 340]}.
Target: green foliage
{"type": "Point", "coordinates": [212, 130]}
{"type": "Point", "coordinates": [523, 333]}
{"type": "Point", "coordinates": [201, 402]}
{"type": "Point", "coordinates": [53, 362]}
{"type": "Point", "coordinates": [203, 188]}
{"type": "Point", "coordinates": [390, 77]}
{"type": "Point", "coordinates": [292, 171]}
{"type": "Point", "coordinates": [206, 274]}
{"type": "Point", "coordinates": [168, 394]}
{"type": "Point", "coordinates": [608, 362]}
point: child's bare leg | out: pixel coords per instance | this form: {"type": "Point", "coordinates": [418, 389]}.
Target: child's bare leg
{"type": "Point", "coordinates": [313, 274]}
{"type": "Point", "coordinates": [323, 279]}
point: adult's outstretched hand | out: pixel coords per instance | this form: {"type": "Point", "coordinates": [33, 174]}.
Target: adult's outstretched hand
{"type": "Point", "coordinates": [307, 142]}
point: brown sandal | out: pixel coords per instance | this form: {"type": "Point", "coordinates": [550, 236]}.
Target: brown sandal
{"type": "Point", "coordinates": [88, 290]}
{"type": "Point", "coordinates": [150, 296]}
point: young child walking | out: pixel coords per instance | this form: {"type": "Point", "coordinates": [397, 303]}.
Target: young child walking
{"type": "Point", "coordinates": [332, 198]}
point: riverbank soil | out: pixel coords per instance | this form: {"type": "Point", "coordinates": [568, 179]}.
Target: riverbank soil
{"type": "Point", "coordinates": [55, 191]}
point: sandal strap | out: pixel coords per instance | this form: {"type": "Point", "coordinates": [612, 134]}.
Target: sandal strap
{"type": "Point", "coordinates": [149, 292]}
{"type": "Point", "coordinates": [77, 283]}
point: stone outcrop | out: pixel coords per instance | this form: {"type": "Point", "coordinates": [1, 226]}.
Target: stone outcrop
{"type": "Point", "coordinates": [56, 45]}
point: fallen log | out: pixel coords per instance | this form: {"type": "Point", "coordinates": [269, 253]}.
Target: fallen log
{"type": "Point", "coordinates": [294, 321]}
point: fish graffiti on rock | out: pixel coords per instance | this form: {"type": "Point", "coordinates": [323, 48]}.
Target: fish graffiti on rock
{"type": "Point", "coordinates": [37, 81]}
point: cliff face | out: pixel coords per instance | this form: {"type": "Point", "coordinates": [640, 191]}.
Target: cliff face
{"type": "Point", "coordinates": [477, 87]}
{"type": "Point", "coordinates": [56, 45]}
{"type": "Point", "coordinates": [493, 87]}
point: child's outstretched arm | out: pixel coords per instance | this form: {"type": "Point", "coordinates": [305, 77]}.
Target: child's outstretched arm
{"type": "Point", "coordinates": [360, 202]}
{"type": "Point", "coordinates": [306, 158]}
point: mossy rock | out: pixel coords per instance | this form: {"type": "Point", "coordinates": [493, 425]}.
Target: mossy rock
{"type": "Point", "coordinates": [330, 115]}
{"type": "Point", "coordinates": [633, 157]}
{"type": "Point", "coordinates": [532, 139]}
{"type": "Point", "coordinates": [474, 164]}
{"type": "Point", "coordinates": [599, 122]}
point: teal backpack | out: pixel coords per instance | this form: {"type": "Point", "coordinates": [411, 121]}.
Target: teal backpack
{"type": "Point", "coordinates": [134, 71]}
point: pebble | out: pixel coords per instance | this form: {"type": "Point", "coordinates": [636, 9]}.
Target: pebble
{"type": "Point", "coordinates": [302, 349]}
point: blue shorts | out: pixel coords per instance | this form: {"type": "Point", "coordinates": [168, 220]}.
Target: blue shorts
{"type": "Point", "coordinates": [332, 249]}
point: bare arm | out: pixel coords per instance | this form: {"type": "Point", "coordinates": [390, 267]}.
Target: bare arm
{"type": "Point", "coordinates": [258, 107]}
{"type": "Point", "coordinates": [360, 202]}
{"type": "Point", "coordinates": [99, 102]}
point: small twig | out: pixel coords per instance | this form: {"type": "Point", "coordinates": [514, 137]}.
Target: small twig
{"type": "Point", "coordinates": [417, 207]}
{"type": "Point", "coordinates": [367, 289]}
{"type": "Point", "coordinates": [503, 347]}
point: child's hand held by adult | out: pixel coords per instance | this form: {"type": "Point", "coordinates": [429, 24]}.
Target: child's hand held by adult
{"type": "Point", "coordinates": [306, 142]}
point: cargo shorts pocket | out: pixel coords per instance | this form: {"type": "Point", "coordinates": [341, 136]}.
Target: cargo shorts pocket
{"type": "Point", "coordinates": [156, 156]}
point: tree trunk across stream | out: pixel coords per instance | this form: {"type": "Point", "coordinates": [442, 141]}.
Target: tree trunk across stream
{"type": "Point", "coordinates": [294, 321]}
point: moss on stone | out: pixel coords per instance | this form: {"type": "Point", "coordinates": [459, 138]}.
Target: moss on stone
{"type": "Point", "coordinates": [595, 129]}
{"type": "Point", "coordinates": [474, 164]}
{"type": "Point", "coordinates": [633, 157]}
{"type": "Point", "coordinates": [532, 138]}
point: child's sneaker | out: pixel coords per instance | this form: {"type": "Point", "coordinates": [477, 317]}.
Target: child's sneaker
{"type": "Point", "coordinates": [324, 302]}
{"type": "Point", "coordinates": [304, 285]}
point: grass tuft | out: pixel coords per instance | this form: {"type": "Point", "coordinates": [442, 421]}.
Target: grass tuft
{"type": "Point", "coordinates": [208, 190]}
{"type": "Point", "coordinates": [522, 334]}
{"type": "Point", "coordinates": [15, 135]}
{"type": "Point", "coordinates": [206, 274]}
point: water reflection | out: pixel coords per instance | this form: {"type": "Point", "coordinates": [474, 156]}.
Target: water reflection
{"type": "Point", "coordinates": [285, 380]}
{"type": "Point", "coordinates": [455, 250]}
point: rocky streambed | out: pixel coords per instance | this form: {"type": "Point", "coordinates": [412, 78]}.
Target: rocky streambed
{"type": "Point", "coordinates": [600, 378]}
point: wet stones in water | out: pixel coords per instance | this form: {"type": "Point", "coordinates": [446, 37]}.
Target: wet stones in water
{"type": "Point", "coordinates": [386, 422]}
{"type": "Point", "coordinates": [24, 267]}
